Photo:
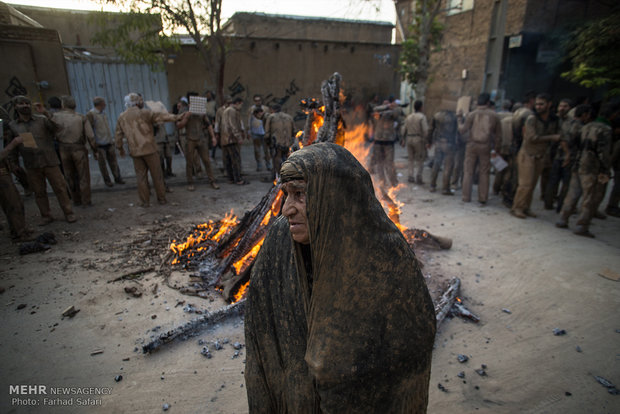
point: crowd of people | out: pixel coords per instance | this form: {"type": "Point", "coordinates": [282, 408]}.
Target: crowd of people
{"type": "Point", "coordinates": [573, 150]}
{"type": "Point", "coordinates": [51, 145]}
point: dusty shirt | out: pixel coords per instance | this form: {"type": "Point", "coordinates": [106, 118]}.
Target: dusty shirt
{"type": "Point", "coordinates": [101, 127]}
{"type": "Point", "coordinates": [231, 129]}
{"type": "Point", "coordinates": [595, 155]}
{"type": "Point", "coordinates": [75, 129]}
{"type": "Point", "coordinates": [518, 123]}
{"type": "Point", "coordinates": [255, 125]}
{"type": "Point", "coordinates": [484, 127]}
{"type": "Point", "coordinates": [416, 125]}
{"type": "Point", "coordinates": [197, 127]}
{"type": "Point", "coordinates": [218, 119]}
{"type": "Point", "coordinates": [537, 135]}
{"type": "Point", "coordinates": [346, 325]}
{"type": "Point", "coordinates": [136, 126]}
{"type": "Point", "coordinates": [43, 130]}
{"type": "Point", "coordinates": [386, 121]}
{"type": "Point", "coordinates": [444, 127]}
{"type": "Point", "coordinates": [279, 127]}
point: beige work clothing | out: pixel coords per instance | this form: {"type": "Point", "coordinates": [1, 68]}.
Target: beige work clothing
{"type": "Point", "coordinates": [415, 132]}
{"type": "Point", "coordinates": [136, 125]}
{"type": "Point", "coordinates": [197, 128]}
{"type": "Point", "coordinates": [231, 128]}
{"type": "Point", "coordinates": [41, 163]}
{"type": "Point", "coordinates": [105, 145]}
{"type": "Point", "coordinates": [75, 130]}
{"type": "Point", "coordinates": [536, 138]}
{"type": "Point", "coordinates": [101, 127]}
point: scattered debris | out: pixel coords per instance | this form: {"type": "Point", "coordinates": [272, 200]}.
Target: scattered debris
{"type": "Point", "coordinates": [133, 291]}
{"type": "Point", "coordinates": [482, 371]}
{"type": "Point", "coordinates": [442, 388]}
{"type": "Point", "coordinates": [205, 351]}
{"type": "Point", "coordinates": [508, 311]}
{"type": "Point", "coordinates": [611, 388]}
{"type": "Point", "coordinates": [237, 345]}
{"type": "Point", "coordinates": [96, 352]}
{"type": "Point", "coordinates": [445, 302]}
{"type": "Point", "coordinates": [136, 274]}
{"type": "Point", "coordinates": [578, 348]}
{"type": "Point", "coordinates": [461, 374]}
{"type": "Point", "coordinates": [21, 306]}
{"type": "Point", "coordinates": [118, 378]}
{"type": "Point", "coordinates": [70, 312]}
{"type": "Point", "coordinates": [559, 332]}
{"type": "Point", "coordinates": [462, 358]}
{"type": "Point", "coordinates": [568, 394]}
{"type": "Point", "coordinates": [165, 407]}
{"type": "Point", "coordinates": [41, 243]}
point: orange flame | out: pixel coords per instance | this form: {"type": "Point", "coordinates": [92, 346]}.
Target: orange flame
{"type": "Point", "coordinates": [241, 292]}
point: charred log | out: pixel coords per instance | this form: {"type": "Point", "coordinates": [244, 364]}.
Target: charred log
{"type": "Point", "coordinates": [458, 309]}
{"type": "Point", "coordinates": [330, 89]}
{"type": "Point", "coordinates": [195, 325]}
{"type": "Point", "coordinates": [446, 301]}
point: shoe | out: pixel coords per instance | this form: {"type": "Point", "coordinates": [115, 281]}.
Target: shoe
{"type": "Point", "coordinates": [110, 183]}
{"type": "Point", "coordinates": [71, 218]}
{"type": "Point", "coordinates": [191, 188]}
{"type": "Point", "coordinates": [582, 231]}
{"type": "Point", "coordinates": [598, 215]}
{"type": "Point", "coordinates": [214, 185]}
{"type": "Point", "coordinates": [170, 174]}
{"type": "Point", "coordinates": [120, 181]}
{"type": "Point", "coordinates": [432, 189]}
{"type": "Point", "coordinates": [518, 213]}
{"type": "Point", "coordinates": [561, 224]}
{"type": "Point", "coordinates": [530, 214]}
{"type": "Point", "coordinates": [447, 192]}
{"type": "Point", "coordinates": [162, 202]}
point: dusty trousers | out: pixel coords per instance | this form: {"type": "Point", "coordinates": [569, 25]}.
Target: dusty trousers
{"type": "Point", "coordinates": [202, 149]}
{"type": "Point", "coordinates": [416, 154]}
{"type": "Point", "coordinates": [590, 198]}
{"type": "Point", "coordinates": [569, 204]}
{"type": "Point", "coordinates": [36, 179]}
{"type": "Point", "coordinates": [143, 165]}
{"type": "Point", "coordinates": [529, 168]}
{"type": "Point", "coordinates": [108, 153]}
{"type": "Point", "coordinates": [232, 161]}
{"type": "Point", "coordinates": [482, 154]}
{"type": "Point", "coordinates": [444, 154]}
{"type": "Point", "coordinates": [383, 155]}
{"type": "Point", "coordinates": [77, 174]}
{"type": "Point", "coordinates": [12, 205]}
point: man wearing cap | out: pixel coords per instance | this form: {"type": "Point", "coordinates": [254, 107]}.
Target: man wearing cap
{"type": "Point", "coordinates": [136, 126]}
{"type": "Point", "coordinates": [40, 159]}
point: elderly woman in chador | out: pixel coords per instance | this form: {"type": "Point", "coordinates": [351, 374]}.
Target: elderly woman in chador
{"type": "Point", "coordinates": [339, 318]}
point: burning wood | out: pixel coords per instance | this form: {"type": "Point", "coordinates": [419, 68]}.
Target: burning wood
{"type": "Point", "coordinates": [446, 301]}
{"type": "Point", "coordinates": [459, 309]}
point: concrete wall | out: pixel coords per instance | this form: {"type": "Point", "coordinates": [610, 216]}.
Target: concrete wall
{"type": "Point", "coordinates": [260, 25]}
{"type": "Point", "coordinates": [288, 70]}
{"type": "Point", "coordinates": [31, 55]}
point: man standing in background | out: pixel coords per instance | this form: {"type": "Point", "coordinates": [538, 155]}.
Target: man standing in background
{"type": "Point", "coordinates": [104, 140]}
{"type": "Point", "coordinates": [415, 138]}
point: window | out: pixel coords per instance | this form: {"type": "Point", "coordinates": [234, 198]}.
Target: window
{"type": "Point", "coordinates": [459, 6]}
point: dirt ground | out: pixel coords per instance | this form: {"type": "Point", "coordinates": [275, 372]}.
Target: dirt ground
{"type": "Point", "coordinates": [523, 278]}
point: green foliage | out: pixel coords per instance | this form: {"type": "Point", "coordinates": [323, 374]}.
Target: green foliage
{"type": "Point", "coordinates": [135, 37]}
{"type": "Point", "coordinates": [424, 38]}
{"type": "Point", "coordinates": [592, 52]}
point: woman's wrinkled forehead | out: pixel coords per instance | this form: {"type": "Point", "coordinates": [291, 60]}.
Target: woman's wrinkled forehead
{"type": "Point", "coordinates": [294, 185]}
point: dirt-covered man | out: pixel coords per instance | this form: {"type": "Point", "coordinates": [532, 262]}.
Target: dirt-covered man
{"type": "Point", "coordinates": [540, 130]}
{"type": "Point", "coordinates": [40, 159]}
{"type": "Point", "coordinates": [135, 125]}
{"type": "Point", "coordinates": [106, 151]}
{"type": "Point", "coordinates": [74, 133]}
{"type": "Point", "coordinates": [279, 134]}
{"type": "Point", "coordinates": [443, 134]}
{"type": "Point", "coordinates": [231, 137]}
{"type": "Point", "coordinates": [415, 138]}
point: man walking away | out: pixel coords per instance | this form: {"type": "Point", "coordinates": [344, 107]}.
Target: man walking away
{"type": "Point", "coordinates": [106, 152]}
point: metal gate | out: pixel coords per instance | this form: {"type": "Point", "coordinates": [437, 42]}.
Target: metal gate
{"type": "Point", "coordinates": [113, 81]}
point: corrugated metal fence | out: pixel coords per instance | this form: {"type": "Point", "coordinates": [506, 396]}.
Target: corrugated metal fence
{"type": "Point", "coordinates": [113, 81]}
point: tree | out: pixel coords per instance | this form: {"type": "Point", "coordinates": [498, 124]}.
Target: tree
{"type": "Point", "coordinates": [423, 37]}
{"type": "Point", "coordinates": [200, 19]}
{"type": "Point", "coordinates": [593, 57]}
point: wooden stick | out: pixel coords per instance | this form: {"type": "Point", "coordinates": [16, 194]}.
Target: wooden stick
{"type": "Point", "coordinates": [133, 275]}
